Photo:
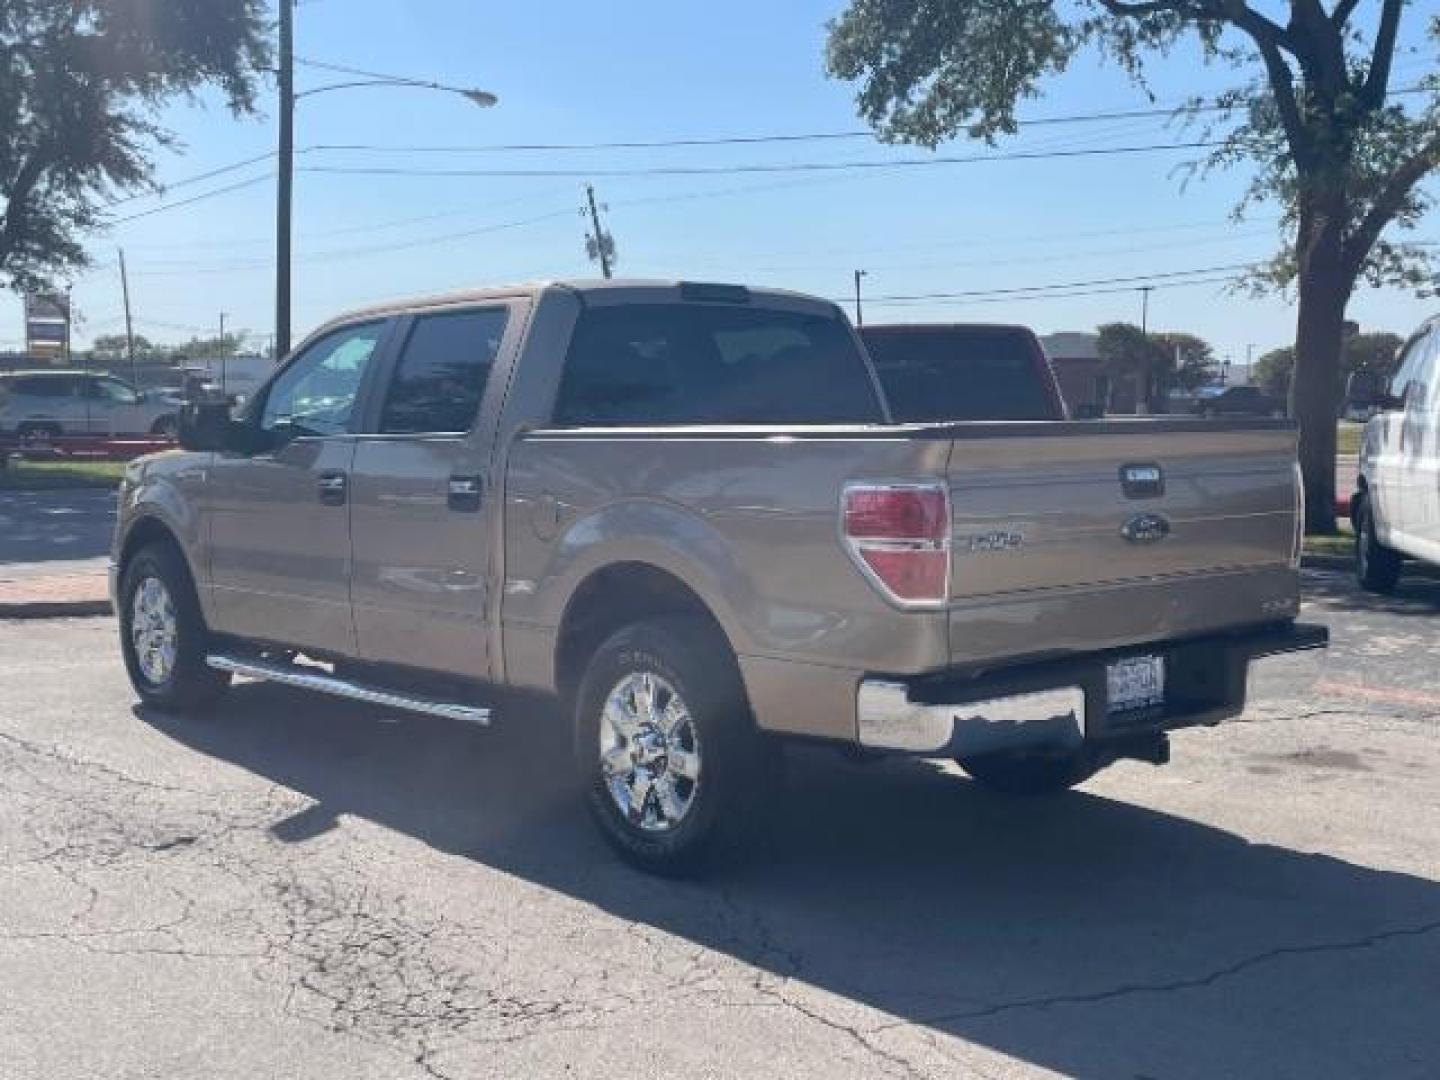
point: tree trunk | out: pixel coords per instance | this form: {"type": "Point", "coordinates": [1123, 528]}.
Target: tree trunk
{"type": "Point", "coordinates": [1315, 388]}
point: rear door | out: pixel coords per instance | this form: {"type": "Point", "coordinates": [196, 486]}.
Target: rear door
{"type": "Point", "coordinates": [51, 401]}
{"type": "Point", "coordinates": [424, 512]}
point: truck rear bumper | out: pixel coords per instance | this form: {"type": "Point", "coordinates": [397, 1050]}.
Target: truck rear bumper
{"type": "Point", "coordinates": [1062, 704]}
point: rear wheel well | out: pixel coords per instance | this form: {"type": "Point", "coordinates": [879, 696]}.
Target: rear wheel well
{"type": "Point", "coordinates": [615, 597]}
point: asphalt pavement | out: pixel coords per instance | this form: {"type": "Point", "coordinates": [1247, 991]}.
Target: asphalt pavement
{"type": "Point", "coordinates": [299, 887]}
{"type": "Point", "coordinates": [53, 526]}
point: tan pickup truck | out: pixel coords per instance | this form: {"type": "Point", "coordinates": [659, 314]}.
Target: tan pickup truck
{"type": "Point", "coordinates": [682, 511]}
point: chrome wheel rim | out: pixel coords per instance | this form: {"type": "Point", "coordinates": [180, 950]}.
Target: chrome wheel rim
{"type": "Point", "coordinates": [154, 630]}
{"type": "Point", "coordinates": [649, 752]}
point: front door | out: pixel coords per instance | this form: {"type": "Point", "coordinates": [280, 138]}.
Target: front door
{"type": "Point", "coordinates": [279, 518]}
{"type": "Point", "coordinates": [112, 408]}
{"type": "Point", "coordinates": [423, 513]}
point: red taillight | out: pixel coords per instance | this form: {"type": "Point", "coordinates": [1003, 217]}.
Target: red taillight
{"type": "Point", "coordinates": [900, 535]}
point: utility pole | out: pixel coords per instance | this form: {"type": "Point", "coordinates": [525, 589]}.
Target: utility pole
{"type": "Point", "coordinates": [285, 194]}
{"type": "Point", "coordinates": [1145, 291]}
{"type": "Point", "coordinates": [129, 324]}
{"type": "Point", "coordinates": [224, 355]}
{"type": "Point", "coordinates": [859, 314]}
{"type": "Point", "coordinates": [602, 241]}
{"type": "Point", "coordinates": [1147, 377]}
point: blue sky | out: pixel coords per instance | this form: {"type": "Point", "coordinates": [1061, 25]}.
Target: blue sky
{"type": "Point", "coordinates": [647, 70]}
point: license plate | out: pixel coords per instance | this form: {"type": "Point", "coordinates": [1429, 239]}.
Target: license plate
{"type": "Point", "coordinates": [1136, 683]}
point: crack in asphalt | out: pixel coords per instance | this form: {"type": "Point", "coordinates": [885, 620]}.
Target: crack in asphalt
{"type": "Point", "coordinates": [1197, 982]}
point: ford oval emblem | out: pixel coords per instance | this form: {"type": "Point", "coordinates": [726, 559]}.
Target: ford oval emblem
{"type": "Point", "coordinates": [1146, 528]}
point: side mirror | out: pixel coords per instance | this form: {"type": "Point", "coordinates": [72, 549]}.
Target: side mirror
{"type": "Point", "coordinates": [206, 426]}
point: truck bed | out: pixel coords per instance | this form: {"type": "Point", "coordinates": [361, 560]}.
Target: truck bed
{"type": "Point", "coordinates": [749, 518]}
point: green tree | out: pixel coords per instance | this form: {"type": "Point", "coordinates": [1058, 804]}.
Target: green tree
{"type": "Point", "coordinates": [1273, 370]}
{"type": "Point", "coordinates": [1314, 115]}
{"type": "Point", "coordinates": [1128, 354]}
{"type": "Point", "coordinates": [1374, 353]}
{"type": "Point", "coordinates": [81, 86]}
{"type": "Point", "coordinates": [115, 346]}
{"type": "Point", "coordinates": [1190, 360]}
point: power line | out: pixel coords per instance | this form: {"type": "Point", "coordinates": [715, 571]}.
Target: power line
{"type": "Point", "coordinates": [192, 200]}
{"type": "Point", "coordinates": [655, 144]}
{"type": "Point", "coordinates": [1131, 280]}
{"type": "Point", "coordinates": [789, 167]}
{"type": "Point", "coordinates": [718, 140]}
{"type": "Point", "coordinates": [166, 188]}
{"type": "Point", "coordinates": [963, 301]}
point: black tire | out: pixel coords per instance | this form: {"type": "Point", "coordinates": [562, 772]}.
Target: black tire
{"type": "Point", "coordinates": [736, 767]}
{"type": "Point", "coordinates": [167, 426]}
{"type": "Point", "coordinates": [1031, 774]}
{"type": "Point", "coordinates": [187, 682]}
{"type": "Point", "coordinates": [1377, 567]}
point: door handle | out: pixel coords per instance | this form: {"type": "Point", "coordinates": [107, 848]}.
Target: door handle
{"type": "Point", "coordinates": [464, 493]}
{"type": "Point", "coordinates": [332, 488]}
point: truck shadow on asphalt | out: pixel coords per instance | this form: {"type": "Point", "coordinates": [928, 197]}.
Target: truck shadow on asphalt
{"type": "Point", "coordinates": [1336, 591]}
{"type": "Point", "coordinates": [1081, 934]}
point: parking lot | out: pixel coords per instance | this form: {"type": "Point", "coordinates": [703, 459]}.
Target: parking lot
{"type": "Point", "coordinates": [300, 887]}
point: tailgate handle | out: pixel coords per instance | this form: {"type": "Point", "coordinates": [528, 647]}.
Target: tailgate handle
{"type": "Point", "coordinates": [1142, 480]}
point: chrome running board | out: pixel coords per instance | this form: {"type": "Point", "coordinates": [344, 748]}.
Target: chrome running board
{"type": "Point", "coordinates": [293, 675]}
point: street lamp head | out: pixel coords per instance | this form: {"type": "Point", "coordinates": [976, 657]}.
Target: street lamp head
{"type": "Point", "coordinates": [483, 98]}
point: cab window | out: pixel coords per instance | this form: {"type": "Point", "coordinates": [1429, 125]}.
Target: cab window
{"type": "Point", "coordinates": [442, 372]}
{"type": "Point", "coordinates": [317, 392]}
{"type": "Point", "coordinates": [111, 390]}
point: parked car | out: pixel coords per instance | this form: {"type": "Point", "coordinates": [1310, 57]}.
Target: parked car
{"type": "Point", "coordinates": [963, 371]}
{"type": "Point", "coordinates": [1238, 401]}
{"type": "Point", "coordinates": [681, 512]}
{"type": "Point", "coordinates": [1396, 505]}
{"type": "Point", "coordinates": [37, 407]}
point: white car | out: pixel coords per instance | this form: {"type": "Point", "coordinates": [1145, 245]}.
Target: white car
{"type": "Point", "coordinates": [1396, 505]}
{"type": "Point", "coordinates": [37, 407]}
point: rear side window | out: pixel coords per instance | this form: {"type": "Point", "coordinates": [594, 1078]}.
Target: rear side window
{"type": "Point", "coordinates": [442, 372]}
{"type": "Point", "coordinates": [667, 364]}
{"type": "Point", "coordinates": [960, 373]}
{"type": "Point", "coordinates": [43, 386]}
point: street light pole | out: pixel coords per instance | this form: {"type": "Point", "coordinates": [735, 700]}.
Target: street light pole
{"type": "Point", "coordinates": [859, 314]}
{"type": "Point", "coordinates": [285, 193]}
{"type": "Point", "coordinates": [284, 202]}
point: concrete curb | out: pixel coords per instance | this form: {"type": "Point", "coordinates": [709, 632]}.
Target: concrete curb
{"type": "Point", "coordinates": [54, 609]}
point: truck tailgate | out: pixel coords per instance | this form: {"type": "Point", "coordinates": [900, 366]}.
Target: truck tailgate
{"type": "Point", "coordinates": [1045, 522]}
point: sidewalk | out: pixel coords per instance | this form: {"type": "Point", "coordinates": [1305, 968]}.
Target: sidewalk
{"type": "Point", "coordinates": [47, 590]}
